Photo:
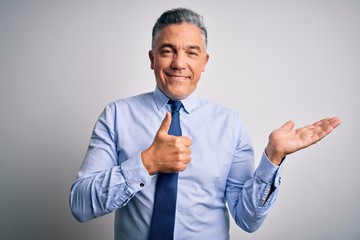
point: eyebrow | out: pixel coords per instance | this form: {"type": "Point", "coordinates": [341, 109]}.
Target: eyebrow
{"type": "Point", "coordinates": [164, 45]}
{"type": "Point", "coordinates": [194, 47]}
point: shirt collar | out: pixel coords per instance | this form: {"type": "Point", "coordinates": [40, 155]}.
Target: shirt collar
{"type": "Point", "coordinates": [189, 103]}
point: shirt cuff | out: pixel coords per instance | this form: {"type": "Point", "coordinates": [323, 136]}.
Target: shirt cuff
{"type": "Point", "coordinates": [135, 174]}
{"type": "Point", "coordinates": [268, 172]}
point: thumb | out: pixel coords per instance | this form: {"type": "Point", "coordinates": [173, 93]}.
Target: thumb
{"type": "Point", "coordinates": [165, 125]}
{"type": "Point", "coordinates": [289, 125]}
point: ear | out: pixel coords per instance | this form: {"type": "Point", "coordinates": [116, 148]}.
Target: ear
{"type": "Point", "coordinates": [206, 59]}
{"type": "Point", "coordinates": [151, 57]}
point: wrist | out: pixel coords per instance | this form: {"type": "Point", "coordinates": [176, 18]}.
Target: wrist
{"type": "Point", "coordinates": [146, 159]}
{"type": "Point", "coordinates": [275, 157]}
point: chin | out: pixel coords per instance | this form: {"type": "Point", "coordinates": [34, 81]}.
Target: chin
{"type": "Point", "coordinates": [178, 95]}
{"type": "Point", "coordinates": [177, 92]}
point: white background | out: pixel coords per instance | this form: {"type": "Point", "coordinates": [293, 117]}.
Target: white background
{"type": "Point", "coordinates": [61, 62]}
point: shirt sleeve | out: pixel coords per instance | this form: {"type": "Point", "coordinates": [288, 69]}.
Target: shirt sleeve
{"type": "Point", "coordinates": [103, 185]}
{"type": "Point", "coordinates": [248, 190]}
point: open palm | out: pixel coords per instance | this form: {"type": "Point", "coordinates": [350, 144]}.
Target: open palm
{"type": "Point", "coordinates": [286, 140]}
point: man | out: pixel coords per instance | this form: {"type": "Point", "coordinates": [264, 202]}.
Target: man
{"type": "Point", "coordinates": [133, 147]}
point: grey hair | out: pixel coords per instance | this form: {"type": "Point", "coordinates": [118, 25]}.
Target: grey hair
{"type": "Point", "coordinates": [177, 16]}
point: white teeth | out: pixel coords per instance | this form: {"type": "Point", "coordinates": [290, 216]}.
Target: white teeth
{"type": "Point", "coordinates": [177, 77]}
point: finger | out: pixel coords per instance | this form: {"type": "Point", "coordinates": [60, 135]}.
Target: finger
{"type": "Point", "coordinates": [165, 125]}
{"type": "Point", "coordinates": [320, 129]}
{"type": "Point", "coordinates": [329, 124]}
{"type": "Point", "coordinates": [288, 125]}
{"type": "Point", "coordinates": [186, 151]}
{"type": "Point", "coordinates": [187, 141]}
{"type": "Point", "coordinates": [335, 121]}
{"type": "Point", "coordinates": [182, 167]}
{"type": "Point", "coordinates": [185, 161]}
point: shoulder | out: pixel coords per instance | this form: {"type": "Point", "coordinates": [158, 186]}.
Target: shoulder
{"type": "Point", "coordinates": [132, 101]}
{"type": "Point", "coordinates": [125, 106]}
{"type": "Point", "coordinates": [137, 99]}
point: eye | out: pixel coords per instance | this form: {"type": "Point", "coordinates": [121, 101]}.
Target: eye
{"type": "Point", "coordinates": [166, 52]}
{"type": "Point", "coordinates": [193, 54]}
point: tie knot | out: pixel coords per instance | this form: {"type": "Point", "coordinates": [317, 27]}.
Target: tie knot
{"type": "Point", "coordinates": [175, 105]}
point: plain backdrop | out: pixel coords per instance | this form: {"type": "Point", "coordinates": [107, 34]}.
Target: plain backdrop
{"type": "Point", "coordinates": [61, 62]}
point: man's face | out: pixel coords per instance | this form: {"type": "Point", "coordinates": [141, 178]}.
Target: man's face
{"type": "Point", "coordinates": [178, 59]}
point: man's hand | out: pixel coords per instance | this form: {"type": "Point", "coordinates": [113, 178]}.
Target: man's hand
{"type": "Point", "coordinates": [167, 153]}
{"type": "Point", "coordinates": [286, 140]}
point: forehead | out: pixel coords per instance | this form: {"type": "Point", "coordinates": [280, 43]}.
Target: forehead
{"type": "Point", "coordinates": [181, 34]}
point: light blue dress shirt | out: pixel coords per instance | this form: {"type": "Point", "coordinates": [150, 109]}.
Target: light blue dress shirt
{"type": "Point", "coordinates": [221, 174]}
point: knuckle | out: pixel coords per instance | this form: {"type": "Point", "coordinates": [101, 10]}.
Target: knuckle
{"type": "Point", "coordinates": [177, 142]}
{"type": "Point", "coordinates": [182, 168]}
{"type": "Point", "coordinates": [177, 157]}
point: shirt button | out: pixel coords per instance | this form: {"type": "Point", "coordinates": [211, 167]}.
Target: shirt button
{"type": "Point", "coordinates": [142, 184]}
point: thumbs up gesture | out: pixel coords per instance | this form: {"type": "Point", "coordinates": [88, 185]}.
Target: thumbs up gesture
{"type": "Point", "coordinates": [167, 153]}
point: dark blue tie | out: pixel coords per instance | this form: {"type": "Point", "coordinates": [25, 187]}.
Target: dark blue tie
{"type": "Point", "coordinates": [163, 219]}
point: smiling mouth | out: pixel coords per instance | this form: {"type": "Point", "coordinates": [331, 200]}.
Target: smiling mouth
{"type": "Point", "coordinates": [177, 77]}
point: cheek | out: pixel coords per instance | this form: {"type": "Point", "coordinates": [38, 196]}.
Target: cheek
{"type": "Point", "coordinates": [197, 71]}
{"type": "Point", "coordinates": [157, 69]}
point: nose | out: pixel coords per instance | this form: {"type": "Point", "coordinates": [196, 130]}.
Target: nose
{"type": "Point", "coordinates": [179, 61]}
